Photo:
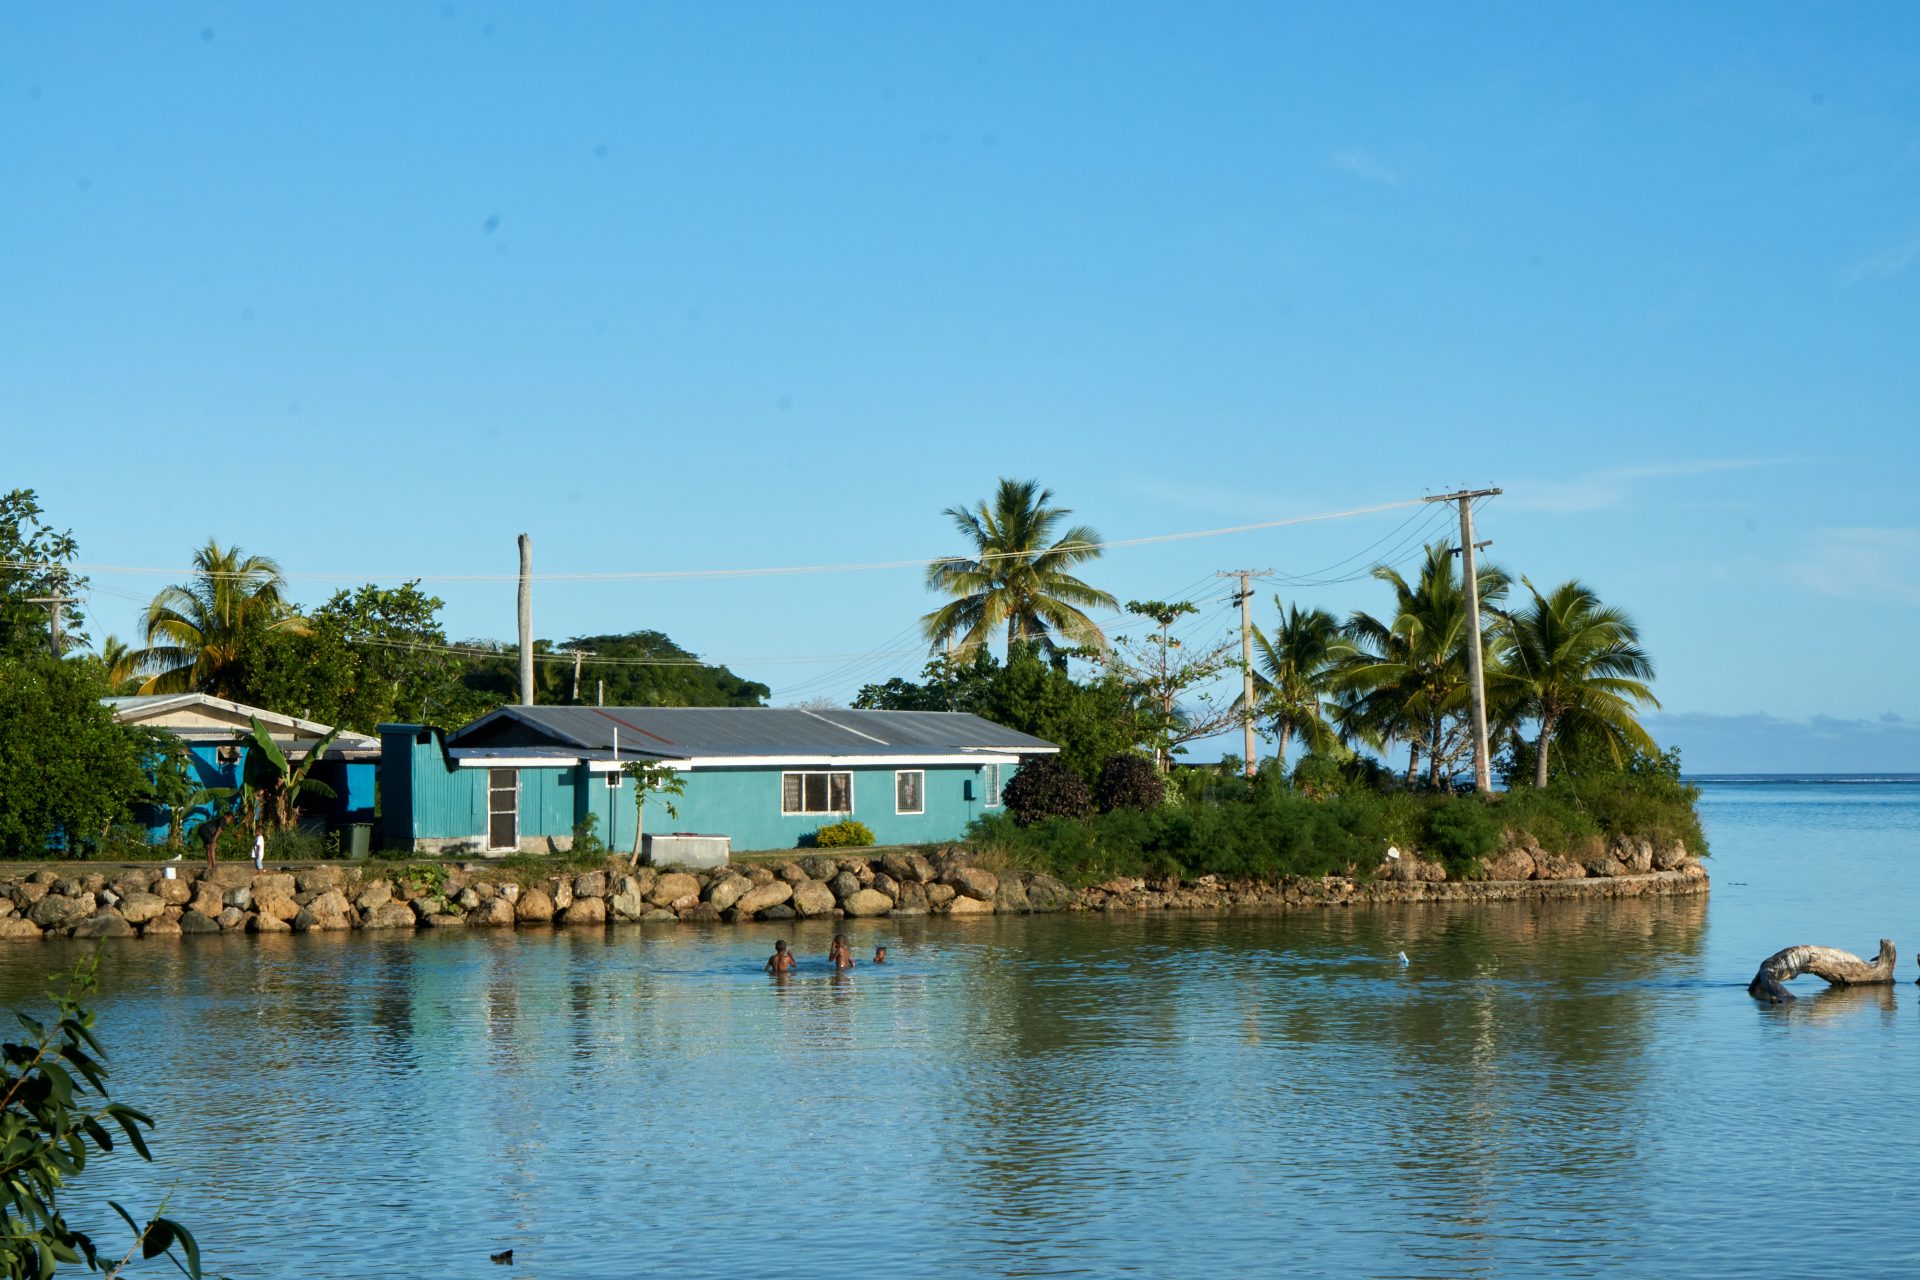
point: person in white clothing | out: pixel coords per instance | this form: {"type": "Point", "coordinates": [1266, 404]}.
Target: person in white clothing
{"type": "Point", "coordinates": [259, 851]}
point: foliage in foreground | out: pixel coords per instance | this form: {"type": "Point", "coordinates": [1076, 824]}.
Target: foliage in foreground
{"type": "Point", "coordinates": [50, 1127]}
{"type": "Point", "coordinates": [849, 834]}
{"type": "Point", "coordinates": [1339, 819]}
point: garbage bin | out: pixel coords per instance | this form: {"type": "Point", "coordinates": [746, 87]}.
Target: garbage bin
{"type": "Point", "coordinates": [359, 842]}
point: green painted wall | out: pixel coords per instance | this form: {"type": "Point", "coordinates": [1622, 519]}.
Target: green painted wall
{"type": "Point", "coordinates": [745, 804]}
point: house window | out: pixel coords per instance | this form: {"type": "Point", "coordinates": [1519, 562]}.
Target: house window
{"type": "Point", "coordinates": [816, 793]}
{"type": "Point", "coordinates": [992, 772]}
{"type": "Point", "coordinates": [503, 808]}
{"type": "Point", "coordinates": [910, 791]}
{"type": "Point", "coordinates": [613, 780]}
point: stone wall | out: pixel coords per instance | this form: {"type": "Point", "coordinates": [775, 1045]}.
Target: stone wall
{"type": "Point", "coordinates": [129, 901]}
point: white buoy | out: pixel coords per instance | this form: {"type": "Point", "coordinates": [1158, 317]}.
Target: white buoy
{"type": "Point", "coordinates": [1404, 962]}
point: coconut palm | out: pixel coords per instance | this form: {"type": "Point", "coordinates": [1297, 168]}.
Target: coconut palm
{"type": "Point", "coordinates": [1294, 674]}
{"type": "Point", "coordinates": [119, 664]}
{"type": "Point", "coordinates": [195, 632]}
{"type": "Point", "coordinates": [1407, 676]}
{"type": "Point", "coordinates": [1572, 662]}
{"type": "Point", "coordinates": [1018, 577]}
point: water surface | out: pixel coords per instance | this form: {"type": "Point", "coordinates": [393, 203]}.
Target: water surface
{"type": "Point", "coordinates": [1544, 1089]}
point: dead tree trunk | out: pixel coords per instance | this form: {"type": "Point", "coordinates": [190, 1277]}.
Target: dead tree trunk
{"type": "Point", "coordinates": [1839, 968]}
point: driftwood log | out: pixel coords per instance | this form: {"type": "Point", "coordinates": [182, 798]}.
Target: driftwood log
{"type": "Point", "coordinates": [1839, 968]}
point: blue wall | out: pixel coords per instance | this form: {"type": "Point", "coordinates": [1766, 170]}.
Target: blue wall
{"type": "Point", "coordinates": [425, 798]}
{"type": "Point", "coordinates": [354, 784]}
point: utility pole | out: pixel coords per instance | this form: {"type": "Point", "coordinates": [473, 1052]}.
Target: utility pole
{"type": "Point", "coordinates": [1482, 772]}
{"type": "Point", "coordinates": [526, 621]}
{"type": "Point", "coordinates": [54, 605]}
{"type": "Point", "coordinates": [575, 699]}
{"type": "Point", "coordinates": [1245, 600]}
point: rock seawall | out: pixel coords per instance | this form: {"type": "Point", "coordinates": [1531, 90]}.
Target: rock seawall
{"type": "Point", "coordinates": [140, 901]}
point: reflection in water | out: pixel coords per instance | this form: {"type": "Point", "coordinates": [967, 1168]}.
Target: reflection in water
{"type": "Point", "coordinates": [1212, 1095]}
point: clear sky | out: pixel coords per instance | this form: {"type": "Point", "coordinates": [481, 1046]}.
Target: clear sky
{"type": "Point", "coordinates": [374, 288]}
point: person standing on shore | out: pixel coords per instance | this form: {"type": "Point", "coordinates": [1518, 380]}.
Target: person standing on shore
{"type": "Point", "coordinates": [211, 831]}
{"type": "Point", "coordinates": [259, 851]}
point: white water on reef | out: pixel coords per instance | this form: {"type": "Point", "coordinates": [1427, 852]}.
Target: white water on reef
{"type": "Point", "coordinates": [1581, 1089]}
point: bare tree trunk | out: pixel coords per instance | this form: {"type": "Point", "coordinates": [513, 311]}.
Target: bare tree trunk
{"type": "Point", "coordinates": [639, 820]}
{"type": "Point", "coordinates": [1413, 762]}
{"type": "Point", "coordinates": [1286, 734]}
{"type": "Point", "coordinates": [1839, 968]}
{"type": "Point", "coordinates": [1540, 755]}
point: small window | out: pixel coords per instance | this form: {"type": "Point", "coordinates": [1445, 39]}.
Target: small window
{"type": "Point", "coordinates": [816, 793]}
{"type": "Point", "coordinates": [910, 791]}
{"type": "Point", "coordinates": [613, 780]}
{"type": "Point", "coordinates": [992, 772]}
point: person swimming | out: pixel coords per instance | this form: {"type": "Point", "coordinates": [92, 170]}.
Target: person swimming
{"type": "Point", "coordinates": [879, 955]}
{"type": "Point", "coordinates": [780, 962]}
{"type": "Point", "coordinates": [840, 955]}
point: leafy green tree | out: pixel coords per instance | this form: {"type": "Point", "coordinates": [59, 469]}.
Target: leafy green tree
{"type": "Point", "coordinates": [119, 665]}
{"type": "Point", "coordinates": [1170, 681]}
{"type": "Point", "coordinates": [67, 769]}
{"type": "Point", "coordinates": [195, 632]}
{"type": "Point", "coordinates": [1018, 575]}
{"type": "Point", "coordinates": [1046, 787]}
{"type": "Point", "coordinates": [1295, 670]}
{"type": "Point", "coordinates": [177, 788]}
{"type": "Point", "coordinates": [1406, 678]}
{"type": "Point", "coordinates": [370, 656]}
{"type": "Point", "coordinates": [647, 669]}
{"type": "Point", "coordinates": [278, 783]}
{"type": "Point", "coordinates": [1088, 720]}
{"type": "Point", "coordinates": [947, 684]}
{"type": "Point", "coordinates": [650, 779]}
{"type": "Point", "coordinates": [55, 1117]}
{"type": "Point", "coordinates": [1572, 661]}
{"type": "Point", "coordinates": [33, 562]}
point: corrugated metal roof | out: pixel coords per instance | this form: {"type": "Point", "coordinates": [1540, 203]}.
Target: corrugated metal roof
{"type": "Point", "coordinates": [687, 732]}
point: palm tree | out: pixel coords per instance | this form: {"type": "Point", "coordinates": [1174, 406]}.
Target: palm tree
{"type": "Point", "coordinates": [1570, 661]}
{"type": "Point", "coordinates": [1294, 673]}
{"type": "Point", "coordinates": [119, 664]}
{"type": "Point", "coordinates": [1018, 578]}
{"type": "Point", "coordinates": [194, 632]}
{"type": "Point", "coordinates": [1407, 676]}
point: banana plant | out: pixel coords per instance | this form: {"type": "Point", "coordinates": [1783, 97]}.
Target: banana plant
{"type": "Point", "coordinates": [175, 788]}
{"type": "Point", "coordinates": [280, 783]}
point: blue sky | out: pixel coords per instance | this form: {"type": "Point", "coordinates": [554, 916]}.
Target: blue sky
{"type": "Point", "coordinates": [375, 288]}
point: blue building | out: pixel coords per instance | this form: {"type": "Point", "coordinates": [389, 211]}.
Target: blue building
{"type": "Point", "coordinates": [526, 778]}
{"type": "Point", "coordinates": [212, 730]}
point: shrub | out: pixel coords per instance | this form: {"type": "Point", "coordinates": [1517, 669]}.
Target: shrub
{"type": "Point", "coordinates": [586, 837]}
{"type": "Point", "coordinates": [843, 835]}
{"type": "Point", "coordinates": [1460, 832]}
{"type": "Point", "coordinates": [1128, 781]}
{"type": "Point", "coordinates": [1046, 787]}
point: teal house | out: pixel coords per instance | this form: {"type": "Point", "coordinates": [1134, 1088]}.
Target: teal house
{"type": "Point", "coordinates": [528, 778]}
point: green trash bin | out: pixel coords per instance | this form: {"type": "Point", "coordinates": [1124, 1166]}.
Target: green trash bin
{"type": "Point", "coordinates": [359, 841]}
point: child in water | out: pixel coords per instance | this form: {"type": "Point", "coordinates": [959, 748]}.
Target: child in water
{"type": "Point", "coordinates": [781, 961]}
{"type": "Point", "coordinates": [840, 955]}
{"type": "Point", "coordinates": [879, 955]}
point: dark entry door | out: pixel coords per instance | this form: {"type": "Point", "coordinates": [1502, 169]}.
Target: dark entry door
{"type": "Point", "coordinates": [503, 808]}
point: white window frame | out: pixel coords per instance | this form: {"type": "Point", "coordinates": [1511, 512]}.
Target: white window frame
{"type": "Point", "coordinates": [990, 785]}
{"type": "Point", "coordinates": [901, 773]}
{"type": "Point", "coordinates": [803, 811]}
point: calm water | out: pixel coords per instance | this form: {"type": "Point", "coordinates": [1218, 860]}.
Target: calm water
{"type": "Point", "coordinates": [1572, 1090]}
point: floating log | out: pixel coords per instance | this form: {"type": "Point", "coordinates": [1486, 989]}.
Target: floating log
{"type": "Point", "coordinates": [1839, 968]}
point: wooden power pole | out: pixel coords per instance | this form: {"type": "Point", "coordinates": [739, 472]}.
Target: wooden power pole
{"type": "Point", "coordinates": [54, 605]}
{"type": "Point", "coordinates": [1245, 600]}
{"type": "Point", "coordinates": [526, 621]}
{"type": "Point", "coordinates": [1469, 576]}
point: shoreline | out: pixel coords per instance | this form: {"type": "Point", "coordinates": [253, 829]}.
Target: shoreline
{"type": "Point", "coordinates": [139, 901]}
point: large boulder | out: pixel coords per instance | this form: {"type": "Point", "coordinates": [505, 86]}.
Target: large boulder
{"type": "Point", "coordinates": [866, 902]}
{"type": "Point", "coordinates": [108, 924]}
{"type": "Point", "coordinates": [206, 898]}
{"type": "Point", "coordinates": [1554, 866]}
{"type": "Point", "coordinates": [139, 907]}
{"type": "Point", "coordinates": [698, 912]}
{"type": "Point", "coordinates": [758, 899]}
{"type": "Point", "coordinates": [585, 909]}
{"type": "Point", "coordinates": [277, 905]}
{"type": "Point", "coordinates": [778, 911]}
{"type": "Point", "coordinates": [232, 919]}
{"type": "Point", "coordinates": [590, 884]}
{"type": "Point", "coordinates": [192, 921]}
{"type": "Point", "coordinates": [907, 867]}
{"type": "Point", "coordinates": [175, 892]}
{"type": "Point", "coordinates": [811, 898]}
{"type": "Point", "coordinates": [1604, 864]}
{"type": "Point", "coordinates": [17, 927]}
{"type": "Point", "coordinates": [1011, 897]}
{"type": "Point", "coordinates": [443, 920]}
{"type": "Point", "coordinates": [973, 882]}
{"type": "Point", "coordinates": [1637, 854]}
{"type": "Point", "coordinates": [61, 911]}
{"type": "Point", "coordinates": [268, 924]}
{"type": "Point", "coordinates": [961, 905]}
{"type": "Point", "coordinates": [819, 866]}
{"type": "Point", "coordinates": [1044, 893]}
{"type": "Point", "coordinates": [673, 886]}
{"type": "Point", "coordinates": [28, 892]}
{"type": "Point", "coordinates": [274, 882]}
{"type": "Point", "coordinates": [938, 895]}
{"type": "Point", "coordinates": [844, 884]}
{"type": "Point", "coordinates": [627, 901]}
{"type": "Point", "coordinates": [239, 897]}
{"type": "Point", "coordinates": [492, 913]}
{"type": "Point", "coordinates": [534, 907]}
{"type": "Point", "coordinates": [376, 893]}
{"type": "Point", "coordinates": [911, 900]}
{"type": "Point", "coordinates": [727, 889]}
{"type": "Point", "coordinates": [791, 872]}
{"type": "Point", "coordinates": [160, 928]}
{"type": "Point", "coordinates": [1513, 863]}
{"type": "Point", "coordinates": [389, 915]}
{"type": "Point", "coordinates": [560, 889]}
{"type": "Point", "coordinates": [317, 879]}
{"type": "Point", "coordinates": [1670, 857]}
